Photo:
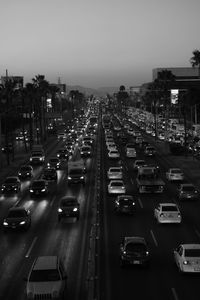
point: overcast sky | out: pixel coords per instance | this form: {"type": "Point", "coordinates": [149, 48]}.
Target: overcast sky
{"type": "Point", "coordinates": [97, 43]}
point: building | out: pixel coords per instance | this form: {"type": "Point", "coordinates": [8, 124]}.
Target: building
{"type": "Point", "coordinates": [17, 80]}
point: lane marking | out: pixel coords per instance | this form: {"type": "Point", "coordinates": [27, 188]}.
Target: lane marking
{"type": "Point", "coordinates": [175, 294]}
{"type": "Point", "coordinates": [140, 202]}
{"type": "Point", "coordinates": [153, 237]}
{"type": "Point", "coordinates": [52, 201]}
{"type": "Point", "coordinates": [31, 247]}
{"type": "Point", "coordinates": [197, 232]}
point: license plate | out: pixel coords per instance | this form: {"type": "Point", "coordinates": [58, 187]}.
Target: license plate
{"type": "Point", "coordinates": [135, 262]}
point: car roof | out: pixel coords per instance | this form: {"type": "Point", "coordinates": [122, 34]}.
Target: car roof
{"type": "Point", "coordinates": [45, 263]}
{"type": "Point", "coordinates": [134, 239]}
{"type": "Point", "coordinates": [130, 197]}
{"type": "Point", "coordinates": [115, 168]}
{"type": "Point", "coordinates": [17, 208]}
{"type": "Point", "coordinates": [191, 246]}
{"type": "Point", "coordinates": [187, 185]}
{"type": "Point", "coordinates": [68, 198]}
{"type": "Point", "coordinates": [113, 181]}
{"type": "Point", "coordinates": [167, 204]}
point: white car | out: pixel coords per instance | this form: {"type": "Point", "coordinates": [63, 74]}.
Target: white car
{"type": "Point", "coordinates": [167, 213]}
{"type": "Point", "coordinates": [130, 150]}
{"type": "Point", "coordinates": [46, 279]}
{"type": "Point", "coordinates": [187, 258]}
{"type": "Point", "coordinates": [113, 154]}
{"type": "Point", "coordinates": [115, 173]}
{"type": "Point", "coordinates": [138, 163]}
{"type": "Point", "coordinates": [116, 187]}
{"type": "Point", "coordinates": [111, 146]}
{"type": "Point", "coordinates": [175, 174]}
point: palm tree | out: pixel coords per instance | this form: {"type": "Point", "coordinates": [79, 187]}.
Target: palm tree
{"type": "Point", "coordinates": [195, 60]}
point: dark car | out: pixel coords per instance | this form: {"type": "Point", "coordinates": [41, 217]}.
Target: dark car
{"type": "Point", "coordinates": [17, 218]}
{"type": "Point", "coordinates": [62, 153]}
{"type": "Point", "coordinates": [39, 187]}
{"type": "Point", "coordinates": [76, 175]}
{"type": "Point", "coordinates": [50, 174]}
{"type": "Point", "coordinates": [134, 251]}
{"type": "Point", "coordinates": [54, 162]}
{"type": "Point", "coordinates": [7, 148]}
{"type": "Point", "coordinates": [25, 172]}
{"type": "Point", "coordinates": [12, 184]}
{"type": "Point", "coordinates": [187, 191]}
{"type": "Point", "coordinates": [149, 151]}
{"type": "Point", "coordinates": [125, 204]}
{"type": "Point", "coordinates": [86, 151]}
{"type": "Point", "coordinates": [68, 207]}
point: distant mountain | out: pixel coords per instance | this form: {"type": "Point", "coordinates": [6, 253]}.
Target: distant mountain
{"type": "Point", "coordinates": [102, 91]}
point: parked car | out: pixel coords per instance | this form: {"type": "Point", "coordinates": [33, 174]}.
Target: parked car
{"type": "Point", "coordinates": [187, 191]}
{"type": "Point", "coordinates": [167, 213]}
{"type": "Point", "coordinates": [11, 184]}
{"type": "Point", "coordinates": [175, 174]}
{"type": "Point", "coordinates": [68, 207]}
{"type": "Point", "coordinates": [134, 251]}
{"type": "Point", "coordinates": [17, 218]}
{"type": "Point", "coordinates": [47, 279]}
{"type": "Point", "coordinates": [26, 171]}
{"type": "Point", "coordinates": [187, 258]}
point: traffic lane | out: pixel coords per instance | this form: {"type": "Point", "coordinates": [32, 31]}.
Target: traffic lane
{"type": "Point", "coordinates": [48, 237]}
{"type": "Point", "coordinates": [41, 208]}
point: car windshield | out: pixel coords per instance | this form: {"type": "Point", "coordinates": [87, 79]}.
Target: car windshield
{"type": "Point", "coordinates": [44, 275]}
{"type": "Point", "coordinates": [75, 171]}
{"type": "Point", "coordinates": [130, 146]}
{"type": "Point", "coordinates": [116, 184]}
{"type": "Point", "coordinates": [11, 180]}
{"type": "Point", "coordinates": [135, 247]}
{"type": "Point", "coordinates": [188, 188]}
{"type": "Point", "coordinates": [176, 171]}
{"type": "Point", "coordinates": [69, 202]}
{"type": "Point", "coordinates": [25, 168]}
{"type": "Point", "coordinates": [52, 160]}
{"type": "Point", "coordinates": [115, 170]}
{"type": "Point", "coordinates": [38, 184]}
{"type": "Point", "coordinates": [16, 214]}
{"type": "Point", "coordinates": [192, 252]}
{"type": "Point", "coordinates": [169, 208]}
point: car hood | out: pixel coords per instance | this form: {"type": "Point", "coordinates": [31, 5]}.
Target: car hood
{"type": "Point", "coordinates": [45, 287]}
{"type": "Point", "coordinates": [15, 220]}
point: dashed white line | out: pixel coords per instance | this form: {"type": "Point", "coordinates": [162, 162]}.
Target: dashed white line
{"type": "Point", "coordinates": [140, 202]}
{"type": "Point", "coordinates": [153, 237]}
{"type": "Point", "coordinates": [197, 232]}
{"type": "Point", "coordinates": [31, 247]}
{"type": "Point", "coordinates": [132, 181]}
{"type": "Point", "coordinates": [174, 294]}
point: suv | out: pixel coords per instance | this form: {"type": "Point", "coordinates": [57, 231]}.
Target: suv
{"type": "Point", "coordinates": [134, 251]}
{"type": "Point", "coordinates": [47, 279]}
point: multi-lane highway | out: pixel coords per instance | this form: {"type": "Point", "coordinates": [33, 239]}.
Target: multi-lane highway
{"type": "Point", "coordinates": [90, 246]}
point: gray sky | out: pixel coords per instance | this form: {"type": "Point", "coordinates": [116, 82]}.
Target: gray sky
{"type": "Point", "coordinates": [97, 43]}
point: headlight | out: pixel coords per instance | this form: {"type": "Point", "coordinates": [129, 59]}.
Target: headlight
{"type": "Point", "coordinates": [75, 209]}
{"type": "Point", "coordinates": [185, 262]}
{"type": "Point", "coordinates": [22, 222]}
{"type": "Point", "coordinates": [43, 190]}
{"type": "Point", "coordinates": [5, 223]}
{"type": "Point", "coordinates": [31, 190]}
{"type": "Point", "coordinates": [117, 203]}
{"type": "Point", "coordinates": [31, 158]}
{"type": "Point", "coordinates": [82, 177]}
{"type": "Point", "coordinates": [59, 209]}
{"type": "Point", "coordinates": [69, 178]}
{"type": "Point", "coordinates": [124, 252]}
{"type": "Point", "coordinates": [41, 158]}
{"type": "Point", "coordinates": [19, 173]}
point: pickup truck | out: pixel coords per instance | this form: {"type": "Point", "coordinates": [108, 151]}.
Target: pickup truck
{"type": "Point", "coordinates": [148, 180]}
